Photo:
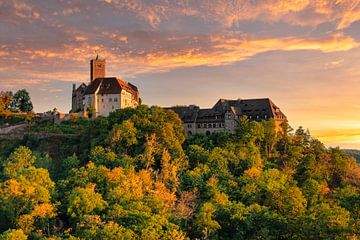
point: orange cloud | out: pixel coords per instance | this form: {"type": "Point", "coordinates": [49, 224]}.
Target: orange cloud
{"type": "Point", "coordinates": [227, 13]}
{"type": "Point", "coordinates": [332, 136]}
{"type": "Point", "coordinates": [217, 50]}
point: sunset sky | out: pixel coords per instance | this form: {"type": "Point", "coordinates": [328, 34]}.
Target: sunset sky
{"type": "Point", "coordinates": [303, 54]}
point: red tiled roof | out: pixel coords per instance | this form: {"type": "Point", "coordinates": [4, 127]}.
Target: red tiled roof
{"type": "Point", "coordinates": [110, 85]}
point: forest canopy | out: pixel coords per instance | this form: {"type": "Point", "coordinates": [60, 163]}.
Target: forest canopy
{"type": "Point", "coordinates": [134, 175]}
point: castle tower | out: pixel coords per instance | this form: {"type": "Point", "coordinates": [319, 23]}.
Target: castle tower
{"type": "Point", "coordinates": [97, 68]}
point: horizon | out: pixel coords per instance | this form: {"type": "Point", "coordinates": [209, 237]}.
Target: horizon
{"type": "Point", "coordinates": [302, 55]}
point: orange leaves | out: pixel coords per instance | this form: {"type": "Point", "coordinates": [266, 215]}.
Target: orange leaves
{"type": "Point", "coordinates": [44, 210]}
{"type": "Point", "coordinates": [253, 172]}
{"type": "Point", "coordinates": [116, 174]}
{"type": "Point", "coordinates": [163, 194]}
{"type": "Point", "coordinates": [14, 187]}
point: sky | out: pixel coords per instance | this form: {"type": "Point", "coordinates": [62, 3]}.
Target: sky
{"type": "Point", "coordinates": [303, 54]}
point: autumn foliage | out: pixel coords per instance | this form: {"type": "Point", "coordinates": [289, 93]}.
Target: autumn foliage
{"type": "Point", "coordinates": [134, 175]}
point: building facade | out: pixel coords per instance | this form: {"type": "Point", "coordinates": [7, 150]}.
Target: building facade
{"type": "Point", "coordinates": [104, 94]}
{"type": "Point", "coordinates": [78, 98]}
{"type": "Point", "coordinates": [225, 114]}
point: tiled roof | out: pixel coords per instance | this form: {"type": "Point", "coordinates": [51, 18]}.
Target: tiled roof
{"type": "Point", "coordinates": [93, 86]}
{"type": "Point", "coordinates": [186, 113]}
{"type": "Point", "coordinates": [110, 85]}
{"type": "Point", "coordinates": [262, 108]}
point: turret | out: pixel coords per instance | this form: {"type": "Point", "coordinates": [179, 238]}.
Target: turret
{"type": "Point", "coordinates": [97, 68]}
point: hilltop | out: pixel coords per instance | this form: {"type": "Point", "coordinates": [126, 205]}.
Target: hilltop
{"type": "Point", "coordinates": [135, 175]}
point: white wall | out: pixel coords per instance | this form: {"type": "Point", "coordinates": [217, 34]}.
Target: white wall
{"type": "Point", "coordinates": [108, 103]}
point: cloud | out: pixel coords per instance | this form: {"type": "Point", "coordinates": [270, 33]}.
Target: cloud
{"type": "Point", "coordinates": [130, 35]}
{"type": "Point", "coordinates": [338, 135]}
{"type": "Point", "coordinates": [228, 13]}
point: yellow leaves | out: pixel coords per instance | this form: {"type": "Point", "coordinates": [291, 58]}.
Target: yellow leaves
{"type": "Point", "coordinates": [14, 187]}
{"type": "Point", "coordinates": [26, 222]}
{"type": "Point", "coordinates": [145, 177]}
{"type": "Point", "coordinates": [220, 198]}
{"type": "Point", "coordinates": [253, 172]}
{"type": "Point", "coordinates": [164, 195]}
{"type": "Point", "coordinates": [127, 185]}
{"type": "Point", "coordinates": [13, 234]}
{"type": "Point", "coordinates": [325, 190]}
{"type": "Point", "coordinates": [44, 210]}
{"type": "Point", "coordinates": [116, 174]}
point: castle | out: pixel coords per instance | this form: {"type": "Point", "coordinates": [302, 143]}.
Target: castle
{"type": "Point", "coordinates": [107, 94]}
{"type": "Point", "coordinates": [225, 114]}
{"type": "Point", "coordinates": [103, 94]}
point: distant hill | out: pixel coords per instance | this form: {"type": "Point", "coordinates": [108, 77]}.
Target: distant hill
{"type": "Point", "coordinates": [354, 153]}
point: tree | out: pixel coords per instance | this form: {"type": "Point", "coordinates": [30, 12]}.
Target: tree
{"type": "Point", "coordinates": [249, 131]}
{"type": "Point", "coordinates": [13, 234]}
{"type": "Point", "coordinates": [148, 157]}
{"type": "Point", "coordinates": [90, 111]}
{"type": "Point", "coordinates": [5, 100]}
{"type": "Point", "coordinates": [25, 195]}
{"type": "Point", "coordinates": [270, 136]}
{"type": "Point", "coordinates": [122, 136]}
{"type": "Point", "coordinates": [274, 189]}
{"type": "Point", "coordinates": [85, 201]}
{"type": "Point", "coordinates": [21, 101]}
{"type": "Point", "coordinates": [20, 159]}
{"type": "Point", "coordinates": [204, 221]}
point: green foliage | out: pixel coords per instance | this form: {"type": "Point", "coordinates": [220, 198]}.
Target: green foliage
{"type": "Point", "coordinates": [21, 101]}
{"type": "Point", "coordinates": [133, 175]}
{"type": "Point", "coordinates": [20, 159]}
{"type": "Point", "coordinates": [84, 201]}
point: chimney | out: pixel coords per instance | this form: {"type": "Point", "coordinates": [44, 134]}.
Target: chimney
{"type": "Point", "coordinates": [74, 87]}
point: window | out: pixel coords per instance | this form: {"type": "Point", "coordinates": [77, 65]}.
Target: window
{"type": "Point", "coordinates": [189, 125]}
{"type": "Point", "coordinates": [110, 99]}
{"type": "Point", "coordinates": [102, 100]}
{"type": "Point", "coordinates": [214, 125]}
{"type": "Point", "coordinates": [115, 100]}
{"type": "Point", "coordinates": [199, 125]}
{"type": "Point", "coordinates": [113, 107]}
{"type": "Point", "coordinates": [190, 133]}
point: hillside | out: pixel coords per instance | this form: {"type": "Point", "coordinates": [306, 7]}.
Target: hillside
{"type": "Point", "coordinates": [354, 153]}
{"type": "Point", "coordinates": [134, 175]}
